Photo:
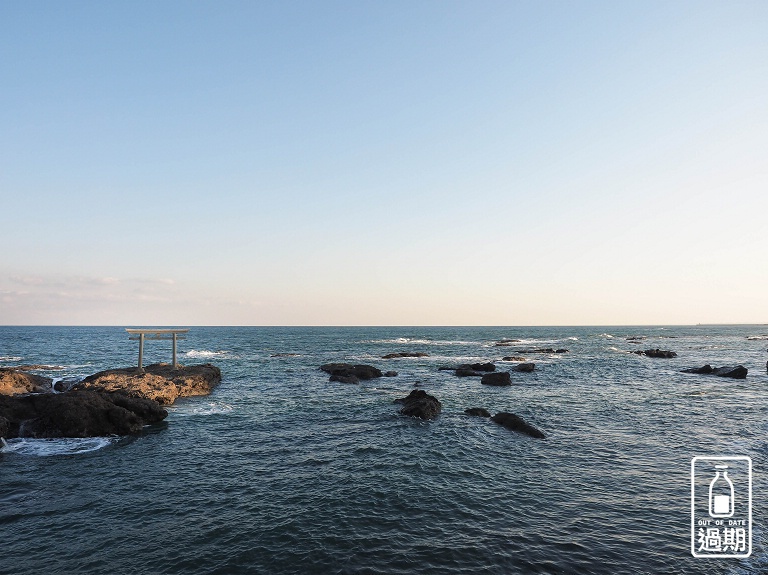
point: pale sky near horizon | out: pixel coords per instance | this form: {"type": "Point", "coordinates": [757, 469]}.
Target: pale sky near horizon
{"type": "Point", "coordinates": [383, 163]}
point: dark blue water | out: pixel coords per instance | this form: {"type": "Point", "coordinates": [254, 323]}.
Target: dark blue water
{"type": "Point", "coordinates": [280, 471]}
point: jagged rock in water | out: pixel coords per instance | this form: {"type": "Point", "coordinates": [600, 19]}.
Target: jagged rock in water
{"type": "Point", "coordinates": [78, 414]}
{"type": "Point", "coordinates": [13, 382]}
{"type": "Point", "coordinates": [159, 382]}
{"type": "Point", "coordinates": [467, 373]}
{"type": "Point", "coordinates": [499, 378]}
{"type": "Point", "coordinates": [517, 423]}
{"type": "Point", "coordinates": [513, 358]}
{"type": "Point", "coordinates": [344, 378]}
{"type": "Point", "coordinates": [734, 372]}
{"type": "Point", "coordinates": [542, 350]}
{"type": "Point", "coordinates": [666, 354]}
{"type": "Point", "coordinates": [477, 411]}
{"type": "Point", "coordinates": [419, 403]}
{"type": "Point", "coordinates": [404, 354]}
{"type": "Point", "coordinates": [390, 374]}
{"type": "Point", "coordinates": [525, 367]}
{"type": "Point", "coordinates": [360, 371]}
{"type": "Point", "coordinates": [705, 369]}
{"type": "Point", "coordinates": [478, 366]}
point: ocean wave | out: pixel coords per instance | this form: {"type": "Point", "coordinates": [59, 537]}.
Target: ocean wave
{"type": "Point", "coordinates": [572, 338]}
{"type": "Point", "coordinates": [415, 341]}
{"type": "Point", "coordinates": [605, 335]}
{"type": "Point", "coordinates": [206, 408]}
{"type": "Point", "coordinates": [10, 358]}
{"type": "Point", "coordinates": [58, 446]}
{"type": "Point", "coordinates": [207, 354]}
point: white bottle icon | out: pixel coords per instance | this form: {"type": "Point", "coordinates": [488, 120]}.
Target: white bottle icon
{"type": "Point", "coordinates": [721, 494]}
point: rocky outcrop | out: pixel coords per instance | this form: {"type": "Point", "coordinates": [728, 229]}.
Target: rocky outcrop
{"type": "Point", "coordinates": [404, 354]}
{"type": "Point", "coordinates": [517, 423]}
{"type": "Point", "coordinates": [420, 404]}
{"type": "Point", "coordinates": [525, 367]}
{"type": "Point", "coordinates": [733, 372]}
{"type": "Point", "coordinates": [666, 354]}
{"type": "Point", "coordinates": [344, 378]}
{"type": "Point", "coordinates": [159, 382]}
{"type": "Point", "coordinates": [66, 383]}
{"type": "Point", "coordinates": [542, 350]}
{"type": "Point", "coordinates": [39, 367]}
{"type": "Point", "coordinates": [477, 412]}
{"type": "Point", "coordinates": [76, 414]}
{"type": "Point", "coordinates": [705, 369]}
{"type": "Point", "coordinates": [13, 382]}
{"type": "Point", "coordinates": [513, 358]}
{"type": "Point", "coordinates": [500, 378]}
{"type": "Point", "coordinates": [359, 371]}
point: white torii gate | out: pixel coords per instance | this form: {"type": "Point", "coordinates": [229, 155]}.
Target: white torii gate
{"type": "Point", "coordinates": [162, 334]}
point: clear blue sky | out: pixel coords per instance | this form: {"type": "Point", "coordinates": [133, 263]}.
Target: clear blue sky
{"type": "Point", "coordinates": [402, 163]}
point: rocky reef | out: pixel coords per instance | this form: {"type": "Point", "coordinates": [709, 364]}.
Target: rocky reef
{"type": "Point", "coordinates": [76, 414]}
{"type": "Point", "coordinates": [160, 382]}
{"type": "Point", "coordinates": [13, 382]}
{"type": "Point", "coordinates": [420, 404]}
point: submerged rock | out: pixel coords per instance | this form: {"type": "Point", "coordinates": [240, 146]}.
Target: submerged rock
{"type": "Point", "coordinates": [159, 382]}
{"type": "Point", "coordinates": [467, 373]}
{"type": "Point", "coordinates": [499, 378]}
{"type": "Point", "coordinates": [404, 354]}
{"type": "Point", "coordinates": [517, 423]}
{"type": "Point", "coordinates": [13, 382]}
{"type": "Point", "coordinates": [390, 374]}
{"type": "Point", "coordinates": [525, 367]}
{"type": "Point", "coordinates": [666, 354]}
{"type": "Point", "coordinates": [542, 350]}
{"type": "Point", "coordinates": [344, 378]}
{"type": "Point", "coordinates": [360, 371]}
{"type": "Point", "coordinates": [705, 369]}
{"type": "Point", "coordinates": [733, 372]}
{"type": "Point", "coordinates": [477, 411]}
{"type": "Point", "coordinates": [478, 366]}
{"type": "Point", "coordinates": [77, 414]}
{"type": "Point", "coordinates": [513, 358]}
{"type": "Point", "coordinates": [419, 403]}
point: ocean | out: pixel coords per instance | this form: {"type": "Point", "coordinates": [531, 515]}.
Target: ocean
{"type": "Point", "coordinates": [281, 471]}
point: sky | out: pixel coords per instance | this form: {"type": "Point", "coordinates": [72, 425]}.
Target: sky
{"type": "Point", "coordinates": [414, 162]}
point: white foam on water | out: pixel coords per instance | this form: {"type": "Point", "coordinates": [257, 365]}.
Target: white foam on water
{"type": "Point", "coordinates": [199, 408]}
{"type": "Point", "coordinates": [10, 358]}
{"type": "Point", "coordinates": [573, 338]}
{"type": "Point", "coordinates": [605, 335]}
{"type": "Point", "coordinates": [207, 354]}
{"type": "Point", "coordinates": [414, 341]}
{"type": "Point", "coordinates": [58, 446]}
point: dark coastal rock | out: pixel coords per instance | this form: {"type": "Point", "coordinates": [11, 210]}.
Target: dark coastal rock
{"type": "Point", "coordinates": [525, 367]}
{"type": "Point", "coordinates": [661, 353]}
{"type": "Point", "coordinates": [404, 354]}
{"type": "Point", "coordinates": [734, 372]}
{"type": "Point", "coordinates": [159, 382]}
{"type": "Point", "coordinates": [390, 374]}
{"type": "Point", "coordinates": [477, 411]}
{"type": "Point", "coordinates": [5, 427]}
{"type": "Point", "coordinates": [542, 350]}
{"type": "Point", "coordinates": [499, 378]}
{"type": "Point", "coordinates": [705, 369]}
{"type": "Point", "coordinates": [78, 414]}
{"type": "Point", "coordinates": [478, 366]}
{"type": "Point", "coordinates": [360, 371]}
{"type": "Point", "coordinates": [635, 338]}
{"type": "Point", "coordinates": [468, 373]}
{"type": "Point", "coordinates": [13, 382]}
{"type": "Point", "coordinates": [513, 358]}
{"type": "Point", "coordinates": [344, 378]}
{"type": "Point", "coordinates": [65, 384]}
{"type": "Point", "coordinates": [420, 404]}
{"type": "Point", "coordinates": [517, 423]}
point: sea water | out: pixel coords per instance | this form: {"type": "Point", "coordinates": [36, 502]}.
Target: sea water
{"type": "Point", "coordinates": [281, 471]}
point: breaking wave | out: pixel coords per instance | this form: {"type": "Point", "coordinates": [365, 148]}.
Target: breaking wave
{"type": "Point", "coordinates": [207, 354]}
{"type": "Point", "coordinates": [59, 446]}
